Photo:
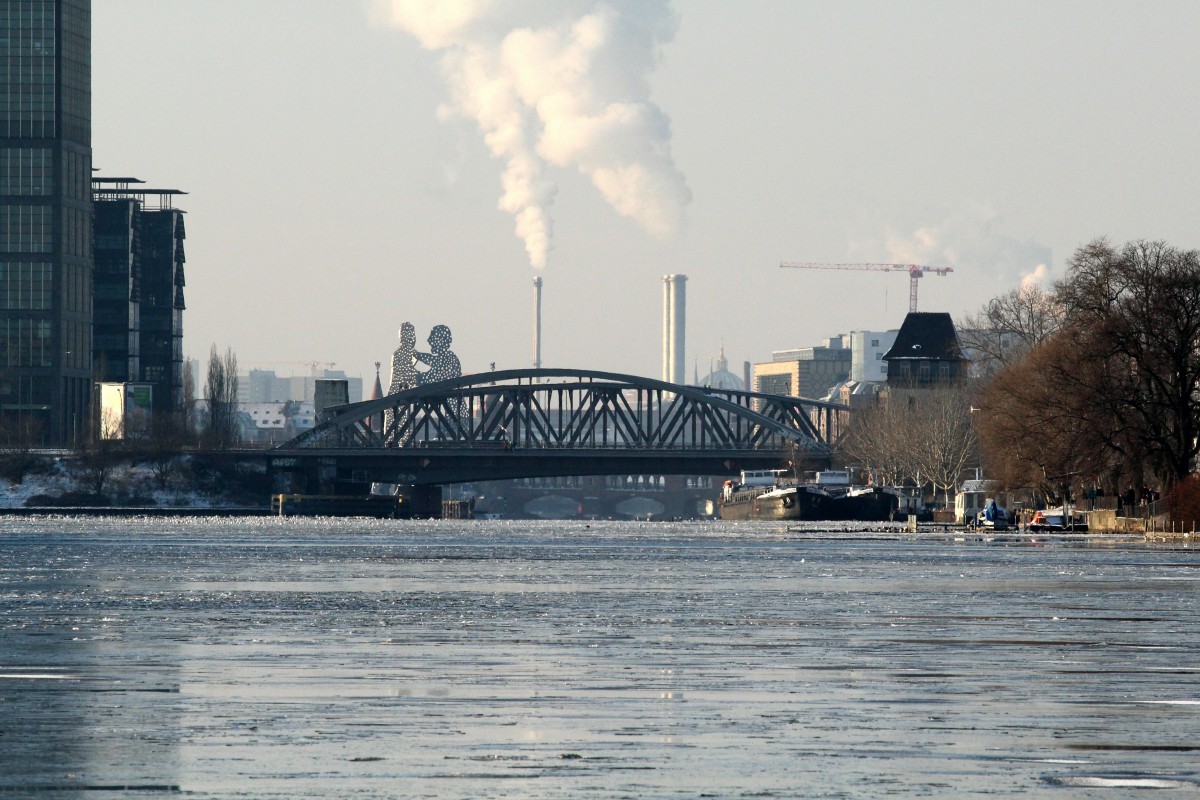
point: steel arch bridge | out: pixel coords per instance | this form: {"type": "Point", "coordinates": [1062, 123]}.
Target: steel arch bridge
{"type": "Point", "coordinates": [551, 422]}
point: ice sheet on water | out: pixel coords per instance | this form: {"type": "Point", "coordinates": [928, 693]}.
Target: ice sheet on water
{"type": "Point", "coordinates": [1121, 782]}
{"type": "Point", "coordinates": [330, 657]}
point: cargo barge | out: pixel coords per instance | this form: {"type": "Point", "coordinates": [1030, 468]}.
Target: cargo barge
{"type": "Point", "coordinates": [769, 495]}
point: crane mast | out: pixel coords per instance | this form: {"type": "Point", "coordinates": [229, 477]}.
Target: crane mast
{"type": "Point", "coordinates": [915, 272]}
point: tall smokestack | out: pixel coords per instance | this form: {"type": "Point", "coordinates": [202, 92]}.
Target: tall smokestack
{"type": "Point", "coordinates": [678, 318]}
{"type": "Point", "coordinates": [674, 322]}
{"type": "Point", "coordinates": [666, 333]}
{"type": "Point", "coordinates": [537, 323]}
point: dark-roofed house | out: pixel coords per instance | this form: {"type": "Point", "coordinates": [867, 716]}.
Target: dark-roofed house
{"type": "Point", "coordinates": [926, 352]}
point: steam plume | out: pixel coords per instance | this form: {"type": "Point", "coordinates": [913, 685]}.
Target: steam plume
{"type": "Point", "coordinates": [971, 239]}
{"type": "Point", "coordinates": [1039, 275]}
{"type": "Point", "coordinates": [561, 83]}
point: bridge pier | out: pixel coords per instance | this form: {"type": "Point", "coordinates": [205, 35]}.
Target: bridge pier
{"type": "Point", "coordinates": [321, 476]}
{"type": "Point", "coordinates": [424, 501]}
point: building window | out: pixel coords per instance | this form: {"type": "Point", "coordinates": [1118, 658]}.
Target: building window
{"type": "Point", "coordinates": [25, 229]}
{"type": "Point", "coordinates": [26, 172]}
{"type": "Point", "coordinates": [775, 384]}
{"type": "Point", "coordinates": [26, 286]}
{"type": "Point", "coordinates": [25, 343]}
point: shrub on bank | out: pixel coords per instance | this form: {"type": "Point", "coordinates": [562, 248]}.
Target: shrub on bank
{"type": "Point", "coordinates": [1183, 502]}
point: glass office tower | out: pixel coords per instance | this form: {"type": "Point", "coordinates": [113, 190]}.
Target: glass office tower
{"type": "Point", "coordinates": [138, 305]}
{"type": "Point", "coordinates": [45, 221]}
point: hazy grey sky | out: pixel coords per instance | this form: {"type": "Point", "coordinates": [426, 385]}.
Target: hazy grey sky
{"type": "Point", "coordinates": [329, 200]}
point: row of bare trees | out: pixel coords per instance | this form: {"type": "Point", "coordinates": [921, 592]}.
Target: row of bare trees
{"type": "Point", "coordinates": [916, 437]}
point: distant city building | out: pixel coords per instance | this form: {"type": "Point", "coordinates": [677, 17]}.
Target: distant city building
{"type": "Point", "coordinates": [377, 389]}
{"type": "Point", "coordinates": [721, 377]}
{"type": "Point", "coordinates": [138, 304]}
{"type": "Point", "coordinates": [265, 386]}
{"type": "Point", "coordinates": [330, 392]}
{"type": "Point", "coordinates": [274, 423]}
{"type": "Point", "coordinates": [857, 394]}
{"type": "Point", "coordinates": [45, 220]}
{"type": "Point", "coordinates": [866, 354]}
{"type": "Point", "coordinates": [839, 342]}
{"type": "Point", "coordinates": [926, 352]}
{"type": "Point", "coordinates": [805, 371]}
{"type": "Point", "coordinates": [259, 386]}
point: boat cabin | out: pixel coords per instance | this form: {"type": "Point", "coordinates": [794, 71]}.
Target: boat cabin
{"type": "Point", "coordinates": [834, 477]}
{"type": "Point", "coordinates": [761, 477]}
{"type": "Point", "coordinates": [971, 498]}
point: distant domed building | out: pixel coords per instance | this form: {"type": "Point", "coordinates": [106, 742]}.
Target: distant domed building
{"type": "Point", "coordinates": [721, 377]}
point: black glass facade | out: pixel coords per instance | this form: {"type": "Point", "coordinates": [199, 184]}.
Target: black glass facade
{"type": "Point", "coordinates": [116, 310]}
{"type": "Point", "coordinates": [162, 306]}
{"type": "Point", "coordinates": [45, 220]}
{"type": "Point", "coordinates": [138, 304]}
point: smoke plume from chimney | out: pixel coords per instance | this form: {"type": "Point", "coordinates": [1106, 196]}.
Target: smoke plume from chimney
{"type": "Point", "coordinates": [560, 83]}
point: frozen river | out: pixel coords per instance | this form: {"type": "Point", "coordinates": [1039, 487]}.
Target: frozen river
{"type": "Point", "coordinates": [267, 658]}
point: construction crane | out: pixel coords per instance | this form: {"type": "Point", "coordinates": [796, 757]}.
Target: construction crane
{"type": "Point", "coordinates": [314, 367]}
{"type": "Point", "coordinates": [915, 272]}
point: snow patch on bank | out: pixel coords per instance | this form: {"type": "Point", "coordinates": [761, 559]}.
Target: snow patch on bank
{"type": "Point", "coordinates": [127, 482]}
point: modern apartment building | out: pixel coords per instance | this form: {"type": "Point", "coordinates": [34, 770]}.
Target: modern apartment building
{"type": "Point", "coordinates": [45, 220]}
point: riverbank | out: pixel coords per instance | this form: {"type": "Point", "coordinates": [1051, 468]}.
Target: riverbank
{"type": "Point", "coordinates": [126, 484]}
{"type": "Point", "coordinates": [136, 511]}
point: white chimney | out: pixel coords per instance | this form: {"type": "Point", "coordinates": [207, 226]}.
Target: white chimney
{"type": "Point", "coordinates": [674, 326]}
{"type": "Point", "coordinates": [666, 331]}
{"type": "Point", "coordinates": [537, 323]}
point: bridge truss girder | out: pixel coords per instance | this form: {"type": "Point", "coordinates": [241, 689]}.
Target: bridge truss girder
{"type": "Point", "coordinates": [530, 423]}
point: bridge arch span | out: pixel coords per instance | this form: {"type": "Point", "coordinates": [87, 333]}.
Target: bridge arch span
{"type": "Point", "coordinates": [562, 409]}
{"type": "Point", "coordinates": [551, 422]}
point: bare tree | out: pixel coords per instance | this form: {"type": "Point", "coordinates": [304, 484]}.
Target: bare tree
{"type": "Point", "coordinates": [915, 435]}
{"type": "Point", "coordinates": [1041, 428]}
{"type": "Point", "coordinates": [162, 448]}
{"type": "Point", "coordinates": [221, 392]}
{"type": "Point", "coordinates": [189, 400]}
{"type": "Point", "coordinates": [19, 438]}
{"type": "Point", "coordinates": [1009, 326]}
{"type": "Point", "coordinates": [1136, 312]}
{"type": "Point", "coordinates": [876, 442]}
{"type": "Point", "coordinates": [943, 440]}
{"type": "Point", "coordinates": [98, 461]}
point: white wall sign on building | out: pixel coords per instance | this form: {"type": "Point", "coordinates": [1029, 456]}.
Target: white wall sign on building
{"type": "Point", "coordinates": [125, 410]}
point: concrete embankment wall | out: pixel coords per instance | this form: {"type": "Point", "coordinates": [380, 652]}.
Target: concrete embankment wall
{"type": "Point", "coordinates": [1158, 528]}
{"type": "Point", "coordinates": [1106, 519]}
